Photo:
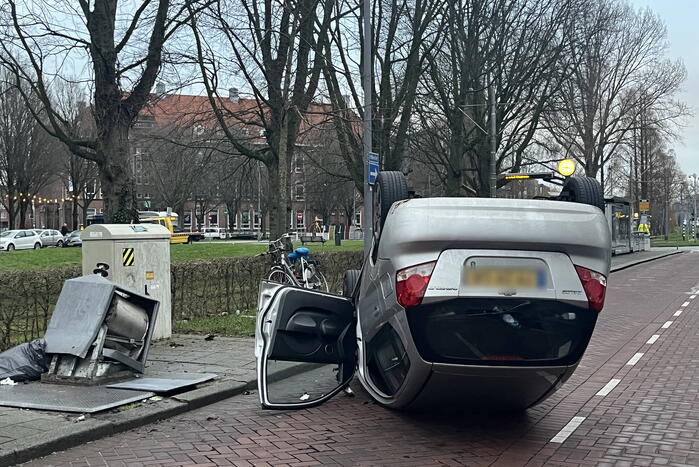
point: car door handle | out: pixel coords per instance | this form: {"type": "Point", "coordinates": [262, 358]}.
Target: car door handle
{"type": "Point", "coordinates": [311, 322]}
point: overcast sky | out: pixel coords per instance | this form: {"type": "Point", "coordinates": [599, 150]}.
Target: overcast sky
{"type": "Point", "coordinates": [681, 18]}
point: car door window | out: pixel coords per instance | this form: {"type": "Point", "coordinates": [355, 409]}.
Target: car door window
{"type": "Point", "coordinates": [305, 346]}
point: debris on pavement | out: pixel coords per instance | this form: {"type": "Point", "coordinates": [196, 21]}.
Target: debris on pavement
{"type": "Point", "coordinates": [8, 382]}
{"type": "Point", "coordinates": [24, 362]}
{"type": "Point", "coordinates": [210, 337]}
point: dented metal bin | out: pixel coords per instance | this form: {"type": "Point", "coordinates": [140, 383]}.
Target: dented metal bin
{"type": "Point", "coordinates": [98, 332]}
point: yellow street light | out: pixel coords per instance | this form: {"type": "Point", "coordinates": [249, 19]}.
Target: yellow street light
{"type": "Point", "coordinates": [566, 167]}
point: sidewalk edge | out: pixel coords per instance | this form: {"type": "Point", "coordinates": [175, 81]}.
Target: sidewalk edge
{"type": "Point", "coordinates": [647, 260]}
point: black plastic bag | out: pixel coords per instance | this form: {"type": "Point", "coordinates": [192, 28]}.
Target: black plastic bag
{"type": "Point", "coordinates": [25, 362]}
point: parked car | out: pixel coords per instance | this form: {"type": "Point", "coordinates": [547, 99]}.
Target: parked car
{"type": "Point", "coordinates": [462, 302]}
{"type": "Point", "coordinates": [19, 240]}
{"type": "Point", "coordinates": [215, 232]}
{"type": "Point", "coordinates": [50, 237]}
{"type": "Point", "coordinates": [73, 239]}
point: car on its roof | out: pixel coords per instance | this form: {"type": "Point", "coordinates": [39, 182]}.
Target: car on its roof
{"type": "Point", "coordinates": [462, 302]}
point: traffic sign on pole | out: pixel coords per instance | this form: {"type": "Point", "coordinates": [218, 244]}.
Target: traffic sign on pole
{"type": "Point", "coordinates": [372, 167]}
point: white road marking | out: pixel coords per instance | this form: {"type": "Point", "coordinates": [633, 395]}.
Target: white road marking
{"type": "Point", "coordinates": [653, 338]}
{"type": "Point", "coordinates": [692, 297]}
{"type": "Point", "coordinates": [666, 324]}
{"type": "Point", "coordinates": [608, 387]}
{"type": "Point", "coordinates": [633, 360]}
{"type": "Point", "coordinates": [567, 430]}
{"type": "Point", "coordinates": [685, 304]}
{"type": "Point", "coordinates": [677, 313]}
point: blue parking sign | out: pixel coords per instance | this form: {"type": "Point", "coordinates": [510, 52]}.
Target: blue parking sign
{"type": "Point", "coordinates": [372, 167]}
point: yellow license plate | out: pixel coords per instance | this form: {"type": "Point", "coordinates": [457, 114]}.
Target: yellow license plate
{"type": "Point", "coordinates": [502, 277]}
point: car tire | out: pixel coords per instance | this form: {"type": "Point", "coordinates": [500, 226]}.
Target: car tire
{"type": "Point", "coordinates": [59, 244]}
{"type": "Point", "coordinates": [10, 247]}
{"type": "Point", "coordinates": [37, 246]}
{"type": "Point", "coordinates": [350, 282]}
{"type": "Point", "coordinates": [391, 186]}
{"type": "Point", "coordinates": [585, 190]}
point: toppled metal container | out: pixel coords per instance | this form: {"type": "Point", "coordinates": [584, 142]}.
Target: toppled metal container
{"type": "Point", "coordinates": [98, 332]}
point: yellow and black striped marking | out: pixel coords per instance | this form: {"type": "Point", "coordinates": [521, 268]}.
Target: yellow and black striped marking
{"type": "Point", "coordinates": [127, 256]}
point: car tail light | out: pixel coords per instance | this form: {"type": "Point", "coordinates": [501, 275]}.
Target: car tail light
{"type": "Point", "coordinates": [411, 283]}
{"type": "Point", "coordinates": [595, 285]}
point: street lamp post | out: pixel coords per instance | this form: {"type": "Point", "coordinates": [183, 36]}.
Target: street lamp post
{"type": "Point", "coordinates": [366, 134]}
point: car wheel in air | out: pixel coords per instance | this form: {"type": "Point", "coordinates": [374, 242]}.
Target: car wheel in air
{"type": "Point", "coordinates": [37, 246]}
{"type": "Point", "coordinates": [391, 186]}
{"type": "Point", "coordinates": [350, 282]}
{"type": "Point", "coordinates": [585, 190]}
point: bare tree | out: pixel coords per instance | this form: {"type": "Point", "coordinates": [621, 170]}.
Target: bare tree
{"type": "Point", "coordinates": [617, 70]}
{"type": "Point", "coordinates": [492, 77]}
{"type": "Point", "coordinates": [401, 32]}
{"type": "Point", "coordinates": [123, 44]}
{"type": "Point", "coordinates": [26, 153]}
{"type": "Point", "coordinates": [80, 176]}
{"type": "Point", "coordinates": [277, 50]}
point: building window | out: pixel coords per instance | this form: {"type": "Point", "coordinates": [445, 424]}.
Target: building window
{"type": "Point", "coordinates": [245, 220]}
{"type": "Point", "coordinates": [256, 220]}
{"type": "Point", "coordinates": [213, 217]}
{"type": "Point", "coordinates": [298, 163]}
{"type": "Point", "coordinates": [139, 195]}
{"type": "Point", "coordinates": [300, 223]}
{"type": "Point", "coordinates": [299, 191]}
{"type": "Point", "coordinates": [358, 218]}
{"type": "Point", "coordinates": [139, 167]}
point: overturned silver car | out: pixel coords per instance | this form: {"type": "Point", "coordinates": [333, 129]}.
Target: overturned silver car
{"type": "Point", "coordinates": [462, 302]}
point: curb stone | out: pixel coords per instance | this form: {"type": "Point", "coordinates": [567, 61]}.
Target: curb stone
{"type": "Point", "coordinates": [621, 267]}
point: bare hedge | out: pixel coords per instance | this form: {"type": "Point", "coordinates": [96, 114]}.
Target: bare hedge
{"type": "Point", "coordinates": [200, 288]}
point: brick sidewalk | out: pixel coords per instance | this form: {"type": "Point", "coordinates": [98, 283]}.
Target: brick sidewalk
{"type": "Point", "coordinates": [650, 417]}
{"type": "Point", "coordinates": [231, 358]}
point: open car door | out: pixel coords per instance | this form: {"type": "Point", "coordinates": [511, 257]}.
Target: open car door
{"type": "Point", "coordinates": [305, 345]}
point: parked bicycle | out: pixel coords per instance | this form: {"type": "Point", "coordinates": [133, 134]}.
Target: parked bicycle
{"type": "Point", "coordinates": [294, 267]}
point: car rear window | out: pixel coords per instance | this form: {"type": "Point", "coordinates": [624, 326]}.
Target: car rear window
{"type": "Point", "coordinates": [501, 331]}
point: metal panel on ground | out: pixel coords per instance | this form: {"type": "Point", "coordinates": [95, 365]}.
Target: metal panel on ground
{"type": "Point", "coordinates": [62, 398]}
{"type": "Point", "coordinates": [79, 313]}
{"type": "Point", "coordinates": [165, 384]}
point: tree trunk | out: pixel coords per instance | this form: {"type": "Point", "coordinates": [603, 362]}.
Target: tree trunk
{"type": "Point", "coordinates": [10, 211]}
{"type": "Point", "coordinates": [116, 176]}
{"type": "Point", "coordinates": [75, 207]}
{"type": "Point", "coordinates": [179, 209]}
{"type": "Point", "coordinates": [277, 213]}
{"type": "Point", "coordinates": [23, 215]}
{"type": "Point", "coordinates": [279, 184]}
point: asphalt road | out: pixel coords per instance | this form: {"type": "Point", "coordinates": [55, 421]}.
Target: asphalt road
{"type": "Point", "coordinates": [634, 400]}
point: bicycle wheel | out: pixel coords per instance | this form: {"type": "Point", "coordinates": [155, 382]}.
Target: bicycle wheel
{"type": "Point", "coordinates": [316, 279]}
{"type": "Point", "coordinates": [280, 276]}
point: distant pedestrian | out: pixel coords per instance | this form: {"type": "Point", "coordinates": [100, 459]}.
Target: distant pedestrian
{"type": "Point", "coordinates": [64, 230]}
